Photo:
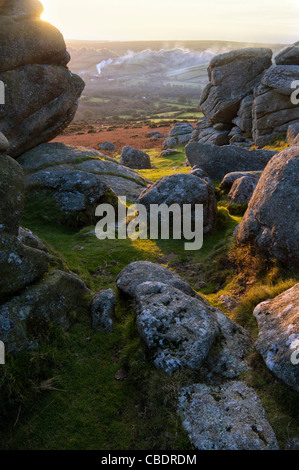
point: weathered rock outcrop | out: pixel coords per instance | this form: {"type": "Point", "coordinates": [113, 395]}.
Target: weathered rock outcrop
{"type": "Point", "coordinates": [183, 189]}
{"type": "Point", "coordinates": [278, 340]}
{"type": "Point", "coordinates": [273, 110]}
{"type": "Point", "coordinates": [218, 161]}
{"type": "Point", "coordinates": [232, 77]}
{"type": "Point", "coordinates": [226, 417]}
{"type": "Point", "coordinates": [41, 94]}
{"type": "Point", "coordinates": [248, 100]}
{"type": "Point", "coordinates": [271, 221]}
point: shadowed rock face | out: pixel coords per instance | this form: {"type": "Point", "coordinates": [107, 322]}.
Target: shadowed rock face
{"type": "Point", "coordinates": [271, 220]}
{"type": "Point", "coordinates": [31, 299]}
{"type": "Point", "coordinates": [41, 94]}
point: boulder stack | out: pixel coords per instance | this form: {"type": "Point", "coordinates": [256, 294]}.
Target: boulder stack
{"type": "Point", "coordinates": [41, 94]}
{"type": "Point", "coordinates": [248, 99]}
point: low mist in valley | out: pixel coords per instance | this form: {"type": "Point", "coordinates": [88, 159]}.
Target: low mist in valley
{"type": "Point", "coordinates": [145, 80]}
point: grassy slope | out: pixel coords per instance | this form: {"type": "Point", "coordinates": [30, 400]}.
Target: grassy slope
{"type": "Point", "coordinates": [90, 409]}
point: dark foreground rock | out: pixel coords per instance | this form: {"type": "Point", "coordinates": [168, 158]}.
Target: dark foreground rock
{"type": "Point", "coordinates": [32, 300]}
{"type": "Point", "coordinates": [218, 161]}
{"type": "Point", "coordinates": [76, 194]}
{"type": "Point", "coordinates": [27, 318]}
{"type": "Point", "coordinates": [20, 265]}
{"type": "Point", "coordinates": [41, 94]}
{"type": "Point", "coordinates": [226, 417]}
{"type": "Point", "coordinates": [103, 309]}
{"type": "Point", "coordinates": [11, 195]}
{"type": "Point", "coordinates": [278, 340]}
{"type": "Point", "coordinates": [271, 221]}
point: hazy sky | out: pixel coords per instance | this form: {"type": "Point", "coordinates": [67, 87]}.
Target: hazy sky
{"type": "Point", "coordinates": [235, 20]}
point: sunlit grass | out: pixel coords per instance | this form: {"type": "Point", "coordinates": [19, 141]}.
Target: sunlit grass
{"type": "Point", "coordinates": [93, 410]}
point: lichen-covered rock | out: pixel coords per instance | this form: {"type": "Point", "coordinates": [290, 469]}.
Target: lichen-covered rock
{"type": "Point", "coordinates": [27, 318]}
{"type": "Point", "coordinates": [103, 309]}
{"type": "Point", "coordinates": [226, 417]}
{"type": "Point", "coordinates": [242, 189]}
{"type": "Point", "coordinates": [218, 161]}
{"type": "Point", "coordinates": [41, 94]}
{"type": "Point", "coordinates": [236, 136]}
{"type": "Point", "coordinates": [227, 357]}
{"type": "Point", "coordinates": [271, 221]}
{"type": "Point", "coordinates": [135, 159]}
{"type": "Point", "coordinates": [183, 189]}
{"type": "Point", "coordinates": [11, 195]}
{"type": "Point", "coordinates": [278, 340]}
{"type": "Point", "coordinates": [164, 302]}
{"type": "Point", "coordinates": [233, 76]}
{"type": "Point", "coordinates": [20, 265]}
{"type": "Point", "coordinates": [138, 272]}
{"type": "Point", "coordinates": [178, 330]}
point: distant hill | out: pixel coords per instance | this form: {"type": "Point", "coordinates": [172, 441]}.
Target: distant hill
{"type": "Point", "coordinates": [129, 78]}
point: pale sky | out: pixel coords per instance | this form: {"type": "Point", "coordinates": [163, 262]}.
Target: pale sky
{"type": "Point", "coordinates": [130, 20]}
